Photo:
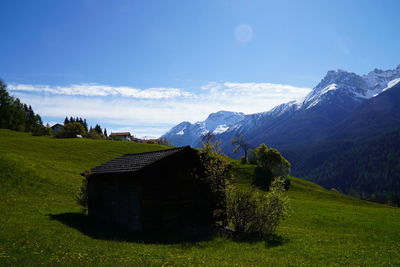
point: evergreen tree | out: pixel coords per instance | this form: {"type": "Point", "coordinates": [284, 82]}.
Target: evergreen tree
{"type": "Point", "coordinates": [5, 106]}
{"type": "Point", "coordinates": [31, 119]}
{"type": "Point", "coordinates": [85, 125]}
{"type": "Point", "coordinates": [66, 121]}
{"type": "Point", "coordinates": [105, 132]}
{"type": "Point", "coordinates": [18, 121]}
{"type": "Point", "coordinates": [16, 115]}
{"type": "Point", "coordinates": [98, 129]}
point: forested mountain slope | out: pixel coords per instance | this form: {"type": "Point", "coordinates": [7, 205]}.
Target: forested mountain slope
{"type": "Point", "coordinates": [370, 170]}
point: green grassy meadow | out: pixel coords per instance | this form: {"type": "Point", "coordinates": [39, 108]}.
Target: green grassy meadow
{"type": "Point", "coordinates": [40, 222]}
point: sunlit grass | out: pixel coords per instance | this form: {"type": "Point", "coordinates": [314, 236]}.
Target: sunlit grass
{"type": "Point", "coordinates": [39, 177]}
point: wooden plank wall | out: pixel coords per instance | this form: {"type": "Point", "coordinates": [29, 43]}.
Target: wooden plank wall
{"type": "Point", "coordinates": [116, 200]}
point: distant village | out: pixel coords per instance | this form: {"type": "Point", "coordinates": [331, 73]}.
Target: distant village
{"type": "Point", "coordinates": [78, 128]}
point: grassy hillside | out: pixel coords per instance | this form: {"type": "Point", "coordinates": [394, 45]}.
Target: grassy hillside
{"type": "Point", "coordinates": [40, 223]}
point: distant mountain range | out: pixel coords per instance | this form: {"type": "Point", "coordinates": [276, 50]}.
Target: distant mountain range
{"type": "Point", "coordinates": [330, 102]}
{"type": "Point", "coordinates": [341, 112]}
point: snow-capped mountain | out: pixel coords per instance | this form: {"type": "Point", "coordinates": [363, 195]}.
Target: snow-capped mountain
{"type": "Point", "coordinates": [378, 79]}
{"type": "Point", "coordinates": [304, 120]}
{"type": "Point", "coordinates": [351, 85]}
{"type": "Point", "coordinates": [337, 83]}
{"type": "Point", "coordinates": [187, 133]}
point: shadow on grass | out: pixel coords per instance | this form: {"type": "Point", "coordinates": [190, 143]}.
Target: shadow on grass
{"type": "Point", "coordinates": [102, 231]}
{"type": "Point", "coordinates": [275, 241]}
{"type": "Point", "coordinates": [271, 241]}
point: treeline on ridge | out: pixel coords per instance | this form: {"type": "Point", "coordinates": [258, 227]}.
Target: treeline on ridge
{"type": "Point", "coordinates": [18, 116]}
{"type": "Point", "coordinates": [74, 127]}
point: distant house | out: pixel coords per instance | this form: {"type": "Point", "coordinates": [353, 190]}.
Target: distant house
{"type": "Point", "coordinates": [122, 136]}
{"type": "Point", "coordinates": [151, 191]}
{"type": "Point", "coordinates": [56, 128]}
{"type": "Point", "coordinates": [150, 141]}
{"type": "Point", "coordinates": [137, 140]}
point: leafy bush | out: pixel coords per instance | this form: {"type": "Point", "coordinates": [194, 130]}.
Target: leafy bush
{"type": "Point", "coordinates": [40, 130]}
{"type": "Point", "coordinates": [253, 213]}
{"type": "Point", "coordinates": [213, 172]}
{"type": "Point", "coordinates": [71, 130]}
{"type": "Point", "coordinates": [272, 161]}
{"type": "Point", "coordinates": [263, 179]}
{"type": "Point", "coordinates": [94, 135]}
{"type": "Point", "coordinates": [271, 164]}
{"type": "Point", "coordinates": [82, 196]}
{"type": "Point", "coordinates": [251, 157]}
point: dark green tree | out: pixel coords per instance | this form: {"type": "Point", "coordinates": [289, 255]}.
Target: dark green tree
{"type": "Point", "coordinates": [98, 129]}
{"type": "Point", "coordinates": [71, 130]}
{"type": "Point", "coordinates": [270, 165]}
{"type": "Point", "coordinates": [85, 125]}
{"type": "Point", "coordinates": [16, 115]}
{"type": "Point", "coordinates": [272, 161]}
{"type": "Point", "coordinates": [5, 106]}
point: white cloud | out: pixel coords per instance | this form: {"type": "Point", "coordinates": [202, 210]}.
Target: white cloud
{"type": "Point", "coordinates": [103, 90]}
{"type": "Point", "coordinates": [150, 112]}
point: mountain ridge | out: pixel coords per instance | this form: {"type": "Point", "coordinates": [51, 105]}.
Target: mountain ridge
{"type": "Point", "coordinates": [333, 99]}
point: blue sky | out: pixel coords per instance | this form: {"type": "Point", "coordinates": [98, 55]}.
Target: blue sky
{"type": "Point", "coordinates": [144, 66]}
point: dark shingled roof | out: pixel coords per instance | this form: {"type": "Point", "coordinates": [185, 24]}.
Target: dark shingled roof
{"type": "Point", "coordinates": [134, 162]}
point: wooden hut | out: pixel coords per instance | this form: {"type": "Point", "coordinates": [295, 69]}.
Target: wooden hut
{"type": "Point", "coordinates": [156, 190]}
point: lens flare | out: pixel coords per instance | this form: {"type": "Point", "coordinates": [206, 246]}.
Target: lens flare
{"type": "Point", "coordinates": [243, 33]}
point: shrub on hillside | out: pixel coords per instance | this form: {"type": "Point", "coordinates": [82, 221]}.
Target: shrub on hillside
{"type": "Point", "coordinates": [94, 135]}
{"type": "Point", "coordinates": [251, 157]}
{"type": "Point", "coordinates": [271, 164]}
{"type": "Point", "coordinates": [71, 130]}
{"type": "Point", "coordinates": [253, 213]}
{"type": "Point", "coordinates": [40, 130]}
{"type": "Point", "coordinates": [272, 161]}
{"type": "Point", "coordinates": [214, 170]}
{"type": "Point", "coordinates": [82, 196]}
{"type": "Point", "coordinates": [263, 179]}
